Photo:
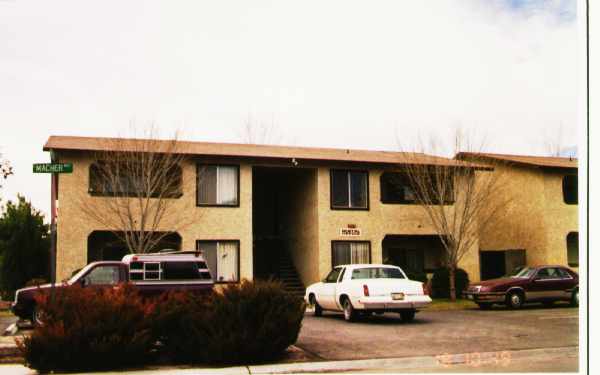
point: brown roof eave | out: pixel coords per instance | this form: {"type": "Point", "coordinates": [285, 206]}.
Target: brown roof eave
{"type": "Point", "coordinates": [264, 152]}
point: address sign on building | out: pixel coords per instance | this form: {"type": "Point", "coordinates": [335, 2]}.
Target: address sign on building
{"type": "Point", "coordinates": [350, 231]}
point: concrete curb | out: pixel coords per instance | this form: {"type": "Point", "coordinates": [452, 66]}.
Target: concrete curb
{"type": "Point", "coordinates": [443, 363]}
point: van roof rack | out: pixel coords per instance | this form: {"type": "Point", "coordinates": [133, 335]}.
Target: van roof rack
{"type": "Point", "coordinates": [172, 252]}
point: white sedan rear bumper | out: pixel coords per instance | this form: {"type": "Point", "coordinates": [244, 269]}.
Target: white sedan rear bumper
{"type": "Point", "coordinates": [387, 303]}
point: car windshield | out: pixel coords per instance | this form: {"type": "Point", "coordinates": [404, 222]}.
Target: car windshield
{"type": "Point", "coordinates": [75, 277]}
{"type": "Point", "coordinates": [525, 272]}
{"type": "Point", "coordinates": [377, 273]}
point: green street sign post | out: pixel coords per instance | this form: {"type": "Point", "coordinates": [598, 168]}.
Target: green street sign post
{"type": "Point", "coordinates": [53, 168]}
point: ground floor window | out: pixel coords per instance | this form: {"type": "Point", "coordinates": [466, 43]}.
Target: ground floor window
{"type": "Point", "coordinates": [573, 249]}
{"type": "Point", "coordinates": [350, 252]}
{"type": "Point", "coordinates": [222, 258]}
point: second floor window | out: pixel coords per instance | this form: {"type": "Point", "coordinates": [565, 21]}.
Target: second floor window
{"type": "Point", "coordinates": [349, 189]}
{"type": "Point", "coordinates": [570, 186]}
{"type": "Point", "coordinates": [218, 185]}
{"type": "Point", "coordinates": [397, 187]}
{"type": "Point", "coordinates": [134, 179]}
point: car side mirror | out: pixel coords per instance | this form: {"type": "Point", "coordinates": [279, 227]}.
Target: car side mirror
{"type": "Point", "coordinates": [84, 282]}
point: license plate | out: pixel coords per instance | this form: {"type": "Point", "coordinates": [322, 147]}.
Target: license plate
{"type": "Point", "coordinates": [397, 296]}
{"type": "Point", "coordinates": [469, 296]}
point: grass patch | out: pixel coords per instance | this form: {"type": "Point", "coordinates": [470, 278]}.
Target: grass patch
{"type": "Point", "coordinates": [4, 313]}
{"type": "Point", "coordinates": [441, 304]}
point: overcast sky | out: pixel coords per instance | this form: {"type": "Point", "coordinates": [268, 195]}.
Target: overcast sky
{"type": "Point", "coordinates": [349, 74]}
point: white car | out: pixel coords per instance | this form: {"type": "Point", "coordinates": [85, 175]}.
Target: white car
{"type": "Point", "coordinates": [367, 288]}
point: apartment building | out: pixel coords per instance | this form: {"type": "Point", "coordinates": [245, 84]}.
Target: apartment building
{"type": "Point", "coordinates": [541, 222]}
{"type": "Point", "coordinates": [257, 211]}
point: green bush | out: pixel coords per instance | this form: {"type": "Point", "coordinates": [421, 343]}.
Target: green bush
{"type": "Point", "coordinates": [440, 282]}
{"type": "Point", "coordinates": [254, 321]}
{"type": "Point", "coordinates": [178, 324]}
{"type": "Point", "coordinates": [24, 246]}
{"type": "Point", "coordinates": [87, 329]}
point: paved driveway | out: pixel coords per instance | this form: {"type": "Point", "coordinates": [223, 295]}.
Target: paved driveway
{"type": "Point", "coordinates": [439, 332]}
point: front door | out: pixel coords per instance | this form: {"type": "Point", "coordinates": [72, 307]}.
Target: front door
{"type": "Point", "coordinates": [546, 284]}
{"type": "Point", "coordinates": [493, 264]}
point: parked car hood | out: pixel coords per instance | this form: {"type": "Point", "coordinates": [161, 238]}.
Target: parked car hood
{"type": "Point", "coordinates": [502, 281]}
{"type": "Point", "coordinates": [41, 286]}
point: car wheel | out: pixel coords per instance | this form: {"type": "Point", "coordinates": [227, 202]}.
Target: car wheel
{"type": "Point", "coordinates": [349, 313]}
{"type": "Point", "coordinates": [485, 305]}
{"type": "Point", "coordinates": [407, 316]}
{"type": "Point", "coordinates": [514, 300]}
{"type": "Point", "coordinates": [575, 298]}
{"type": "Point", "coordinates": [318, 309]}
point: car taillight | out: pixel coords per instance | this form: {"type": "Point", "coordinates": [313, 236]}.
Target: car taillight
{"type": "Point", "coordinates": [366, 290]}
{"type": "Point", "coordinates": [425, 289]}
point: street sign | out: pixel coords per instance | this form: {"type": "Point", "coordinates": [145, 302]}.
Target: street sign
{"type": "Point", "coordinates": [53, 168]}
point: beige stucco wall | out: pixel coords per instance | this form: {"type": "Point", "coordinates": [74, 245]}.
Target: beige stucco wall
{"type": "Point", "coordinates": [195, 223]}
{"type": "Point", "coordinates": [304, 227]}
{"type": "Point", "coordinates": [375, 223]}
{"type": "Point", "coordinates": [537, 219]}
{"type": "Point", "coordinates": [315, 224]}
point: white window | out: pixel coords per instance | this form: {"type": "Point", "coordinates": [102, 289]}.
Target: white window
{"type": "Point", "coordinates": [218, 185]}
{"type": "Point", "coordinates": [222, 258]}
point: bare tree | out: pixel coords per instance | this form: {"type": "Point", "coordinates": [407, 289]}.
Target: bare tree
{"type": "Point", "coordinates": [260, 133]}
{"type": "Point", "coordinates": [459, 198]}
{"type": "Point", "coordinates": [135, 183]}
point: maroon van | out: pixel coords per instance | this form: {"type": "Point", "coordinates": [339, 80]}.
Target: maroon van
{"type": "Point", "coordinates": [151, 274]}
{"type": "Point", "coordinates": [545, 284]}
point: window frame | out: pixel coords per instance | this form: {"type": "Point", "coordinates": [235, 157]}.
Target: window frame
{"type": "Point", "coordinates": [333, 242]}
{"type": "Point", "coordinates": [215, 272]}
{"type": "Point", "coordinates": [349, 207]}
{"type": "Point", "coordinates": [198, 166]}
{"type": "Point", "coordinates": [564, 191]}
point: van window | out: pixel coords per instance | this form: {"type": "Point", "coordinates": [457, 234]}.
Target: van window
{"type": "Point", "coordinates": [181, 271]}
{"type": "Point", "coordinates": [156, 271]}
{"type": "Point", "coordinates": [103, 275]}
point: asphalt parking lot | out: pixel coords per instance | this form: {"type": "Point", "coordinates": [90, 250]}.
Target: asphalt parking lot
{"type": "Point", "coordinates": [439, 333]}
